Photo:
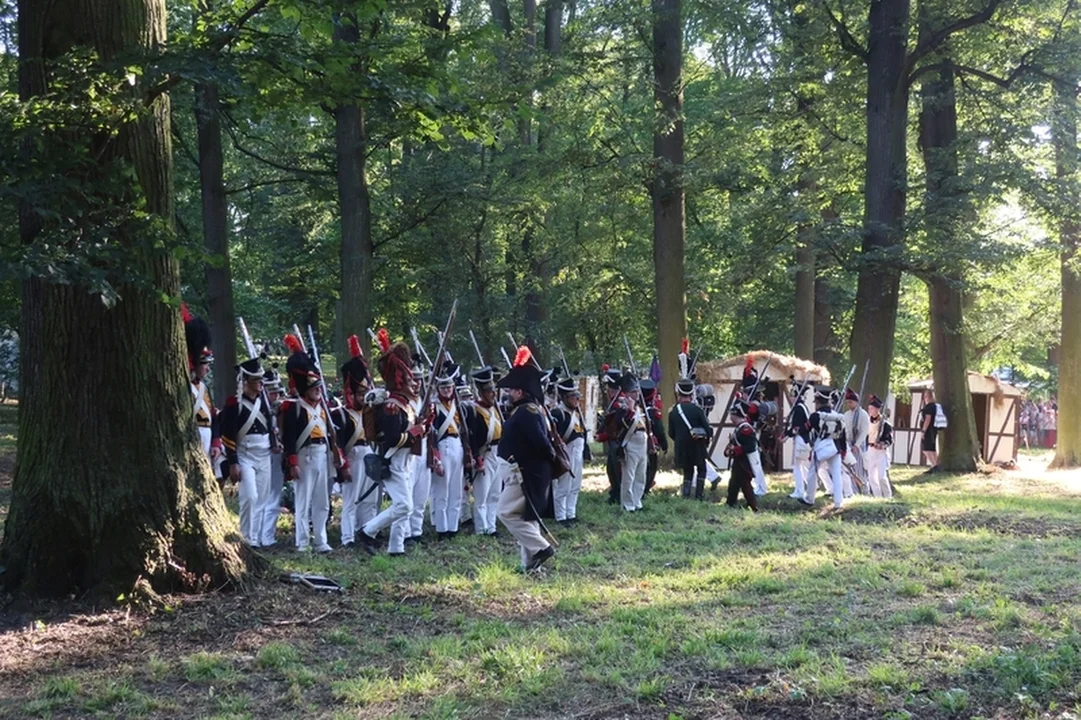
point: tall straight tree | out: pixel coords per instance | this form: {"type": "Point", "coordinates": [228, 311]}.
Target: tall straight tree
{"type": "Point", "coordinates": [890, 69]}
{"type": "Point", "coordinates": [219, 284]}
{"type": "Point", "coordinates": [1064, 136]}
{"type": "Point", "coordinates": [669, 220]}
{"type": "Point", "coordinates": [112, 491]}
{"type": "Point", "coordinates": [879, 284]}
{"type": "Point", "coordinates": [354, 199]}
{"type": "Point", "coordinates": [945, 213]}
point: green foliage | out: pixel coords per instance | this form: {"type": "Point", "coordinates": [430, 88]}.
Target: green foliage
{"type": "Point", "coordinates": [518, 180]}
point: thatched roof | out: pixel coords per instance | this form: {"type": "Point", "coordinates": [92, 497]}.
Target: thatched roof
{"type": "Point", "coordinates": [780, 368]}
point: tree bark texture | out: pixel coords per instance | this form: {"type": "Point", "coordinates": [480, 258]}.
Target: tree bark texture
{"type": "Point", "coordinates": [879, 284]}
{"type": "Point", "coordinates": [112, 491]}
{"type": "Point", "coordinates": [804, 334]}
{"type": "Point", "coordinates": [669, 221]}
{"type": "Point", "coordinates": [959, 449]}
{"type": "Point", "coordinates": [357, 250]}
{"type": "Point", "coordinates": [1064, 134]}
{"type": "Point", "coordinates": [219, 284]}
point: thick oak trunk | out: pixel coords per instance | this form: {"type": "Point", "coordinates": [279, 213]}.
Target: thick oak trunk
{"type": "Point", "coordinates": [354, 201]}
{"type": "Point", "coordinates": [112, 491]}
{"type": "Point", "coordinates": [219, 285]}
{"type": "Point", "coordinates": [669, 223]}
{"type": "Point", "coordinates": [959, 450]}
{"type": "Point", "coordinates": [1064, 131]}
{"type": "Point", "coordinates": [879, 284]}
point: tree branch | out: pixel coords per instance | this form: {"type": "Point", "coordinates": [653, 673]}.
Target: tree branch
{"type": "Point", "coordinates": [848, 42]}
{"type": "Point", "coordinates": [935, 40]}
{"type": "Point", "coordinates": [414, 223]}
{"type": "Point", "coordinates": [220, 43]}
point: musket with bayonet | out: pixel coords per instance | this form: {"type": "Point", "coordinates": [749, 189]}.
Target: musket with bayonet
{"type": "Point", "coordinates": [275, 441]}
{"type": "Point", "coordinates": [732, 401]}
{"type": "Point", "coordinates": [440, 357]}
{"type": "Point", "coordinates": [563, 358]}
{"type": "Point", "coordinates": [332, 435]}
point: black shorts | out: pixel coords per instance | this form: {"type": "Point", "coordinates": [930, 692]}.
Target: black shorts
{"type": "Point", "coordinates": [930, 440]}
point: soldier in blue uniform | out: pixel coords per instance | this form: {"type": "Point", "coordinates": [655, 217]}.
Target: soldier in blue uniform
{"type": "Point", "coordinates": [525, 454]}
{"type": "Point", "coordinates": [245, 433]}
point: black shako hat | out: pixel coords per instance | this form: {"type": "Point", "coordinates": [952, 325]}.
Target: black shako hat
{"type": "Point", "coordinates": [524, 375]}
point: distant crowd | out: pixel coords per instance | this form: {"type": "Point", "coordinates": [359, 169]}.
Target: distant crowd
{"type": "Point", "coordinates": [1039, 423]}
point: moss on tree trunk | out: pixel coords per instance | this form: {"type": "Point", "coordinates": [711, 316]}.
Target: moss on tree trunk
{"type": "Point", "coordinates": [112, 491]}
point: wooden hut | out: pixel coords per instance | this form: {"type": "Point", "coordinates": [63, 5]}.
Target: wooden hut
{"type": "Point", "coordinates": [997, 406]}
{"type": "Point", "coordinates": [726, 375]}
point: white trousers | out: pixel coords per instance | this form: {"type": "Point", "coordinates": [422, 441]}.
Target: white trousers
{"type": "Point", "coordinates": [801, 466]}
{"type": "Point", "coordinates": [827, 460]}
{"type": "Point", "coordinates": [633, 484]}
{"type": "Point", "coordinates": [487, 487]}
{"type": "Point", "coordinates": [447, 489]}
{"type": "Point", "coordinates": [568, 486]}
{"type": "Point", "coordinates": [877, 463]}
{"type": "Point", "coordinates": [273, 504]}
{"type": "Point", "coordinates": [356, 512]}
{"type": "Point", "coordinates": [512, 504]}
{"type": "Point", "coordinates": [253, 458]}
{"type": "Point", "coordinates": [312, 497]}
{"type": "Point", "coordinates": [206, 437]}
{"type": "Point", "coordinates": [422, 488]}
{"type": "Point", "coordinates": [399, 486]}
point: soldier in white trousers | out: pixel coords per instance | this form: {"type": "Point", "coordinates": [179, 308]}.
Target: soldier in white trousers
{"type": "Point", "coordinates": [245, 433]}
{"type": "Point", "coordinates": [827, 431]}
{"type": "Point", "coordinates": [448, 485]}
{"type": "Point", "coordinates": [634, 443]}
{"type": "Point", "coordinates": [571, 427]}
{"type": "Point", "coordinates": [272, 507]}
{"type": "Point", "coordinates": [413, 526]}
{"type": "Point", "coordinates": [397, 443]}
{"type": "Point", "coordinates": [360, 496]}
{"type": "Point", "coordinates": [485, 432]}
{"type": "Point", "coordinates": [801, 444]}
{"type": "Point", "coordinates": [857, 426]}
{"type": "Point", "coordinates": [306, 439]}
{"type": "Point", "coordinates": [880, 442]}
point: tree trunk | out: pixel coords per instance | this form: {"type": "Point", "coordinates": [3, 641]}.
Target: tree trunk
{"type": "Point", "coordinates": [112, 492]}
{"type": "Point", "coordinates": [354, 201]}
{"type": "Point", "coordinates": [879, 284]}
{"type": "Point", "coordinates": [219, 284]}
{"type": "Point", "coordinates": [1064, 132]}
{"type": "Point", "coordinates": [944, 213]}
{"type": "Point", "coordinates": [669, 223]}
{"type": "Point", "coordinates": [804, 340]}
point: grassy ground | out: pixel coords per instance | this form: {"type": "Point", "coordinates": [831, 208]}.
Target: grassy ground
{"type": "Point", "coordinates": [960, 598]}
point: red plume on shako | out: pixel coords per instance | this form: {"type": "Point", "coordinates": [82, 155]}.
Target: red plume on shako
{"type": "Point", "coordinates": [523, 356]}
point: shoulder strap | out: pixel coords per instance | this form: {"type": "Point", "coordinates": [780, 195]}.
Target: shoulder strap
{"type": "Point", "coordinates": [254, 410]}
{"type": "Point", "coordinates": [679, 409]}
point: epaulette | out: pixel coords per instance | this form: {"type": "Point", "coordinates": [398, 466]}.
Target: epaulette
{"type": "Point", "coordinates": [287, 403]}
{"type": "Point", "coordinates": [231, 401]}
{"type": "Point", "coordinates": [391, 409]}
{"type": "Point", "coordinates": [746, 429]}
{"type": "Point", "coordinates": [533, 408]}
